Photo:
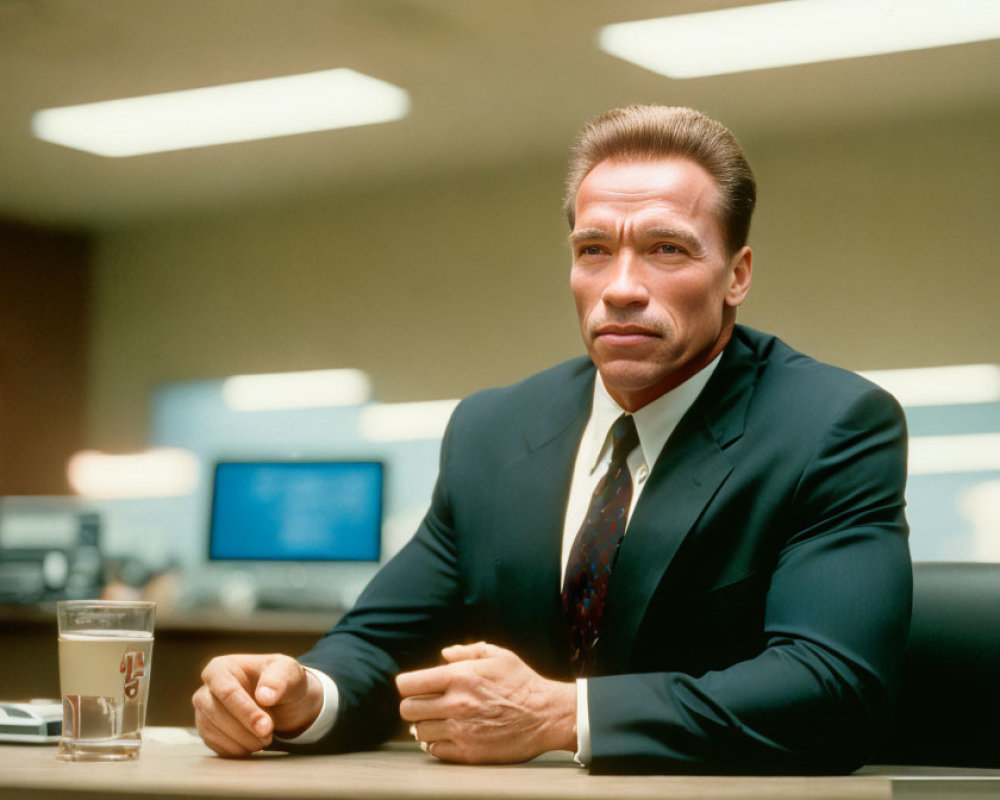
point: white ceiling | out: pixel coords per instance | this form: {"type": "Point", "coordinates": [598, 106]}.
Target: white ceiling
{"type": "Point", "coordinates": [493, 83]}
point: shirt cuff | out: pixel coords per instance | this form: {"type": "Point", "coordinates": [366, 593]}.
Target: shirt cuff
{"type": "Point", "coordinates": [327, 714]}
{"type": "Point", "coordinates": [582, 756]}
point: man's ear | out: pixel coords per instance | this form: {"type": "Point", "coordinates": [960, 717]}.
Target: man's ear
{"type": "Point", "coordinates": [741, 270]}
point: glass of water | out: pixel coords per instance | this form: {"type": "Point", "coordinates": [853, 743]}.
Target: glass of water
{"type": "Point", "coordinates": [105, 656]}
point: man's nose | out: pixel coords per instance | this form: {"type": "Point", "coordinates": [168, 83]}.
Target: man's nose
{"type": "Point", "coordinates": [625, 284]}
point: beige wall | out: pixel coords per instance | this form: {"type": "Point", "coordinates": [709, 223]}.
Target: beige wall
{"type": "Point", "coordinates": [878, 248]}
{"type": "Point", "coordinates": [873, 249]}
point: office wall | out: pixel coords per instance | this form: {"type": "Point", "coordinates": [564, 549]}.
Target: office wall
{"type": "Point", "coordinates": [437, 287]}
{"type": "Point", "coordinates": [878, 248]}
{"type": "Point", "coordinates": [874, 248]}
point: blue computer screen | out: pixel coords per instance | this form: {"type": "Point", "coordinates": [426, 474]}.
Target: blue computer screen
{"type": "Point", "coordinates": [296, 511]}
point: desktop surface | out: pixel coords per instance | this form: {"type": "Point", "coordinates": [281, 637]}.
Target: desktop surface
{"type": "Point", "coordinates": [175, 764]}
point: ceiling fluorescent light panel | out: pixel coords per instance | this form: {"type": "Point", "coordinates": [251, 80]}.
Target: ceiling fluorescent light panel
{"type": "Point", "coordinates": [940, 386]}
{"type": "Point", "coordinates": [159, 472]}
{"type": "Point", "coordinates": [796, 32]}
{"type": "Point", "coordinates": [236, 112]}
{"type": "Point", "coordinates": [291, 390]}
{"type": "Point", "coordinates": [938, 455]}
{"type": "Point", "coordinates": [395, 422]}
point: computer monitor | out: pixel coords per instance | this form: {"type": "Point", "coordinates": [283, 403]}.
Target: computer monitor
{"type": "Point", "coordinates": [296, 511]}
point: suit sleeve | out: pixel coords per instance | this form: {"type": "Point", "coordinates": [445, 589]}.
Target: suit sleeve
{"type": "Point", "coordinates": [818, 696]}
{"type": "Point", "coordinates": [400, 621]}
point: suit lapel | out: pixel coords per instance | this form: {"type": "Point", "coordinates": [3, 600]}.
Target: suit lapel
{"type": "Point", "coordinates": [688, 473]}
{"type": "Point", "coordinates": [535, 486]}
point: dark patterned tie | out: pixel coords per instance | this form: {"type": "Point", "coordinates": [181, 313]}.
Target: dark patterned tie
{"type": "Point", "coordinates": [592, 557]}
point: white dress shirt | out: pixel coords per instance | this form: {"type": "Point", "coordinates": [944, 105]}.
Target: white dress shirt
{"type": "Point", "coordinates": [655, 423]}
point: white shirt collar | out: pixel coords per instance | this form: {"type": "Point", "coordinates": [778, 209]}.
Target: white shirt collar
{"type": "Point", "coordinates": [655, 421]}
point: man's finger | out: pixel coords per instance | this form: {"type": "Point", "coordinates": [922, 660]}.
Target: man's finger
{"type": "Point", "coordinates": [434, 680]}
{"type": "Point", "coordinates": [283, 679]}
{"type": "Point", "coordinates": [213, 716]}
{"type": "Point", "coordinates": [218, 740]}
{"type": "Point", "coordinates": [423, 707]}
{"type": "Point", "coordinates": [467, 652]}
{"type": "Point", "coordinates": [447, 751]}
{"type": "Point", "coordinates": [228, 691]}
{"type": "Point", "coordinates": [433, 730]}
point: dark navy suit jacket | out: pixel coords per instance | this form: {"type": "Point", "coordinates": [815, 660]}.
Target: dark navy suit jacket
{"type": "Point", "coordinates": [758, 609]}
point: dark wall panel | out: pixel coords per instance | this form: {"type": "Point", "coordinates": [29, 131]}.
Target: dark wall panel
{"type": "Point", "coordinates": [43, 345]}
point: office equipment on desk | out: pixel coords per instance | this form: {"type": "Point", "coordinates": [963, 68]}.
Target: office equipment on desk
{"type": "Point", "coordinates": [48, 553]}
{"type": "Point", "coordinates": [290, 534]}
{"type": "Point", "coordinates": [33, 722]}
{"type": "Point", "coordinates": [296, 511]}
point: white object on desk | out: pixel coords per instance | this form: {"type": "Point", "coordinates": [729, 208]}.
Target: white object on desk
{"type": "Point", "coordinates": [38, 721]}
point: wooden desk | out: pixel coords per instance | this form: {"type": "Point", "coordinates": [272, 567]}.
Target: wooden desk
{"type": "Point", "coordinates": [174, 765]}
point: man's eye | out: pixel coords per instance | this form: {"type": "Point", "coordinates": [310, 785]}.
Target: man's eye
{"type": "Point", "coordinates": [591, 250]}
{"type": "Point", "coordinates": [668, 249]}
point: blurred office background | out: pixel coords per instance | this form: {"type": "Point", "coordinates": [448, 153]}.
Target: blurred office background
{"type": "Point", "coordinates": [430, 254]}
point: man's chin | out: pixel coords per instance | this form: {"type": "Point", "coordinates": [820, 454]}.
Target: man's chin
{"type": "Point", "coordinates": [630, 376]}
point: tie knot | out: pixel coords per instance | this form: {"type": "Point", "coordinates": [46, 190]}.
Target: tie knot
{"type": "Point", "coordinates": [624, 437]}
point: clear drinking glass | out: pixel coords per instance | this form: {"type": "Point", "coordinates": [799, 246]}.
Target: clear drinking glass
{"type": "Point", "coordinates": [105, 655]}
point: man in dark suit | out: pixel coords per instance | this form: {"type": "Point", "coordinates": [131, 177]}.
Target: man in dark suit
{"type": "Point", "coordinates": [701, 526]}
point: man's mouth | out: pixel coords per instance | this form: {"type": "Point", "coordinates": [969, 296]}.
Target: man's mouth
{"type": "Point", "coordinates": [625, 335]}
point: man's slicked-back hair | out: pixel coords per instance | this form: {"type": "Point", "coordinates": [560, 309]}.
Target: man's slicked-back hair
{"type": "Point", "coordinates": [646, 133]}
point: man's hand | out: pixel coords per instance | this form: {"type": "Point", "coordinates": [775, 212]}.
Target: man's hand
{"type": "Point", "coordinates": [246, 699]}
{"type": "Point", "coordinates": [487, 706]}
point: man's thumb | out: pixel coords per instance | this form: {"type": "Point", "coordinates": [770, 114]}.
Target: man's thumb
{"type": "Point", "coordinates": [467, 652]}
{"type": "Point", "coordinates": [275, 681]}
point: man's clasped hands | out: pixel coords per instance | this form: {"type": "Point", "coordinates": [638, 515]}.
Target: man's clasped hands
{"type": "Point", "coordinates": [483, 705]}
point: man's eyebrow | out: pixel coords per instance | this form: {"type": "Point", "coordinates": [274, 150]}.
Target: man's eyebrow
{"type": "Point", "coordinates": [676, 234]}
{"type": "Point", "coordinates": [588, 235]}
{"type": "Point", "coordinates": [692, 242]}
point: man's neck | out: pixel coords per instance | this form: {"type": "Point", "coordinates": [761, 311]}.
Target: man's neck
{"type": "Point", "coordinates": [633, 401]}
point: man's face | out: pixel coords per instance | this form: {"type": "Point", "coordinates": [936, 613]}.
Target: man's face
{"type": "Point", "coordinates": [655, 288]}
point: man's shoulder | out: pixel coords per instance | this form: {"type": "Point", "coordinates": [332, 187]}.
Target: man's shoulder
{"type": "Point", "coordinates": [566, 378]}
{"type": "Point", "coordinates": [549, 398]}
{"type": "Point", "coordinates": [797, 382]}
{"type": "Point", "coordinates": [782, 362]}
